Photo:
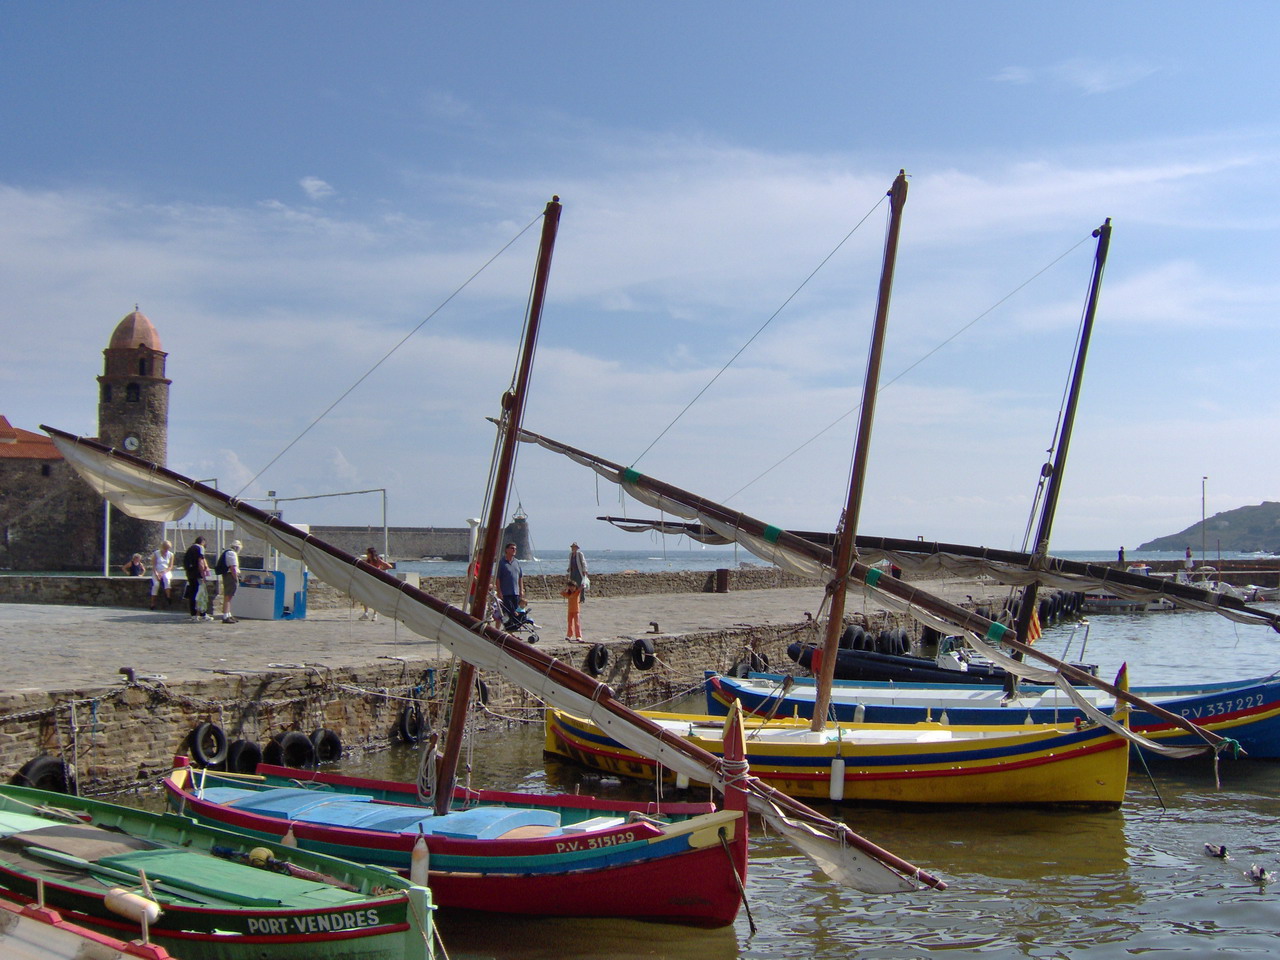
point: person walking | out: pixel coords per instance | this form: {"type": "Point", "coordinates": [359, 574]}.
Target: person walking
{"type": "Point", "coordinates": [375, 560]}
{"type": "Point", "coordinates": [228, 569]}
{"type": "Point", "coordinates": [197, 568]}
{"type": "Point", "coordinates": [578, 571]}
{"type": "Point", "coordinates": [510, 582]}
{"type": "Point", "coordinates": [162, 573]}
{"type": "Point", "coordinates": [573, 630]}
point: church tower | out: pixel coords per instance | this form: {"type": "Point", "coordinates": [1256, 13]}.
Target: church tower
{"type": "Point", "coordinates": [133, 416]}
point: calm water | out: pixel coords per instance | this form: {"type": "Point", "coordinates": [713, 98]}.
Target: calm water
{"type": "Point", "coordinates": [1024, 883]}
{"type": "Point", "coordinates": [658, 559]}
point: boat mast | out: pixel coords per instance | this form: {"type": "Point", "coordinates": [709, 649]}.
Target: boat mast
{"type": "Point", "coordinates": [848, 530]}
{"type": "Point", "coordinates": [513, 404]}
{"type": "Point", "coordinates": [1040, 548]}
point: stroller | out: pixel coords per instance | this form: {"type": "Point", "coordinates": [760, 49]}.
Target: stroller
{"type": "Point", "coordinates": [517, 623]}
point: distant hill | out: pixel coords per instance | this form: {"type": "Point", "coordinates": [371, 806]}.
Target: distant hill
{"type": "Point", "coordinates": [1245, 529]}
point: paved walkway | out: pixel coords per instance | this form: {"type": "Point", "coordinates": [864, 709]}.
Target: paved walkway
{"type": "Point", "coordinates": [50, 647]}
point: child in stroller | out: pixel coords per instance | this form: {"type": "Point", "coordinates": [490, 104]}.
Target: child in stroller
{"type": "Point", "coordinates": [519, 622]}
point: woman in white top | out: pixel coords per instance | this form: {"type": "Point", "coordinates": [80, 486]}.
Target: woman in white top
{"type": "Point", "coordinates": [161, 572]}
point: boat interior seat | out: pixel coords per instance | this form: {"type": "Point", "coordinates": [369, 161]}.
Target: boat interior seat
{"type": "Point", "coordinates": [485, 823]}
{"type": "Point", "coordinates": [288, 803]}
{"type": "Point", "coordinates": [595, 823]}
{"type": "Point", "coordinates": [81, 840]}
{"type": "Point", "coordinates": [227, 880]}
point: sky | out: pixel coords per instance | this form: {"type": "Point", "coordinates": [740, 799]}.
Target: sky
{"type": "Point", "coordinates": [330, 212]}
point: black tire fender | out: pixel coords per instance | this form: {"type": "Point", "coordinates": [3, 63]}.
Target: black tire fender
{"type": "Point", "coordinates": [243, 756]}
{"type": "Point", "coordinates": [46, 772]}
{"type": "Point", "coordinates": [328, 745]}
{"type": "Point", "coordinates": [208, 744]}
{"type": "Point", "coordinates": [597, 659]}
{"type": "Point", "coordinates": [411, 725]}
{"type": "Point", "coordinates": [642, 654]}
{"type": "Point", "coordinates": [296, 749]}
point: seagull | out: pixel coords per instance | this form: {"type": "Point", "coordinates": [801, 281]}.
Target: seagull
{"type": "Point", "coordinates": [1260, 876]}
{"type": "Point", "coordinates": [1213, 850]}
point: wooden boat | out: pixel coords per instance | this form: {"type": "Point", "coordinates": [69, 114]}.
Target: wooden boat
{"type": "Point", "coordinates": [515, 853]}
{"type": "Point", "coordinates": [1043, 764]}
{"type": "Point", "coordinates": [203, 893]}
{"type": "Point", "coordinates": [1247, 711]}
{"type": "Point", "coordinates": [35, 932]}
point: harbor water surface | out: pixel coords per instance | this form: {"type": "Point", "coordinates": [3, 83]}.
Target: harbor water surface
{"type": "Point", "coordinates": [1023, 883]}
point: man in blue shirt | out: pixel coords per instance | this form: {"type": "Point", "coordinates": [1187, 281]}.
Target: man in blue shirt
{"type": "Point", "coordinates": [510, 582]}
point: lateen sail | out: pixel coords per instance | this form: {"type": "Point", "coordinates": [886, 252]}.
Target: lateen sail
{"type": "Point", "coordinates": [143, 489]}
{"type": "Point", "coordinates": [793, 552]}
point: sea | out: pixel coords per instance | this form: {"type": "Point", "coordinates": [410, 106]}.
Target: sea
{"type": "Point", "coordinates": [1030, 883]}
{"type": "Point", "coordinates": [659, 559]}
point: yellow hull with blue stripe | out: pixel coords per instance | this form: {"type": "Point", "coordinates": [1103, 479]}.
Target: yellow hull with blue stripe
{"type": "Point", "coordinates": [1042, 764]}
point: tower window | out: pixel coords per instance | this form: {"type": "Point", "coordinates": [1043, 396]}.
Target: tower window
{"type": "Point", "coordinates": [106, 393]}
{"type": "Point", "coordinates": [144, 367]}
{"type": "Point", "coordinates": [132, 393]}
{"type": "Point", "coordinates": [46, 470]}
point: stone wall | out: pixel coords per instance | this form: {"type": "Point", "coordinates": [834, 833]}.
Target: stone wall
{"type": "Point", "coordinates": [49, 518]}
{"type": "Point", "coordinates": [117, 737]}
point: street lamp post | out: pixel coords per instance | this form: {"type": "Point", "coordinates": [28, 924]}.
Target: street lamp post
{"type": "Point", "coordinates": [1203, 535]}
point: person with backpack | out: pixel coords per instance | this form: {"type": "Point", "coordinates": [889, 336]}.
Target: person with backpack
{"type": "Point", "coordinates": [197, 568]}
{"type": "Point", "coordinates": [228, 569]}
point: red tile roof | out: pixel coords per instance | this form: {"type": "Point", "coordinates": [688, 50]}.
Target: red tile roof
{"type": "Point", "coordinates": [17, 444]}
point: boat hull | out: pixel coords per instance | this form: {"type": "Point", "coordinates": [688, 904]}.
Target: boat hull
{"type": "Point", "coordinates": [214, 905]}
{"type": "Point", "coordinates": [1247, 711]}
{"type": "Point", "coordinates": [675, 872]}
{"type": "Point", "coordinates": [869, 665]}
{"type": "Point", "coordinates": [945, 765]}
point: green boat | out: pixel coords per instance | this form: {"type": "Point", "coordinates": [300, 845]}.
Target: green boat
{"type": "Point", "coordinates": [203, 893]}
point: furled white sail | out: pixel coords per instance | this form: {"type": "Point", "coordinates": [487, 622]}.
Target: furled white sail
{"type": "Point", "coordinates": [143, 489]}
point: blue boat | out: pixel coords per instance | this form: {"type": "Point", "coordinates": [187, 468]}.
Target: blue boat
{"type": "Point", "coordinates": [1247, 711]}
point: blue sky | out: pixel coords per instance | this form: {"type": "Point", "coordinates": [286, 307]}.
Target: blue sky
{"type": "Point", "coordinates": [288, 190]}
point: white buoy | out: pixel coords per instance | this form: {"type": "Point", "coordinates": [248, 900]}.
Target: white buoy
{"type": "Point", "coordinates": [289, 840]}
{"type": "Point", "coordinates": [682, 781]}
{"type": "Point", "coordinates": [836, 790]}
{"type": "Point", "coordinates": [859, 713]}
{"type": "Point", "coordinates": [420, 862]}
{"type": "Point", "coordinates": [942, 718]}
{"type": "Point", "coordinates": [132, 906]}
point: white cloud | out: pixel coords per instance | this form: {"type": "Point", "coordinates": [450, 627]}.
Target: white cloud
{"type": "Point", "coordinates": [664, 267]}
{"type": "Point", "coordinates": [316, 189]}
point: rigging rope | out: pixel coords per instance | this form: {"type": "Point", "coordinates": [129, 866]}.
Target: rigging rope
{"type": "Point", "coordinates": [923, 357]}
{"type": "Point", "coordinates": [773, 316]}
{"type": "Point", "coordinates": [387, 356]}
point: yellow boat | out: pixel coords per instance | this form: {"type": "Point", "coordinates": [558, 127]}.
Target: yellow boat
{"type": "Point", "coordinates": [1040, 764]}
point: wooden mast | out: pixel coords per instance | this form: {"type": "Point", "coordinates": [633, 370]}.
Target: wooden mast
{"type": "Point", "coordinates": [1040, 548]}
{"type": "Point", "coordinates": [513, 404]}
{"type": "Point", "coordinates": [846, 537]}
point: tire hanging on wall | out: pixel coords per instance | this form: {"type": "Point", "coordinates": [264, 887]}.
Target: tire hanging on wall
{"type": "Point", "coordinates": [411, 726]}
{"type": "Point", "coordinates": [243, 756]}
{"type": "Point", "coordinates": [328, 745]}
{"type": "Point", "coordinates": [597, 659]}
{"type": "Point", "coordinates": [46, 772]}
{"type": "Point", "coordinates": [296, 749]}
{"type": "Point", "coordinates": [208, 744]}
{"type": "Point", "coordinates": [642, 654]}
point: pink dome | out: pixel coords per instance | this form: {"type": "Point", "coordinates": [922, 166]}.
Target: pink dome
{"type": "Point", "coordinates": [135, 330]}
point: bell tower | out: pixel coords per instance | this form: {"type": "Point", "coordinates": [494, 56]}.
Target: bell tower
{"type": "Point", "coordinates": [133, 415]}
